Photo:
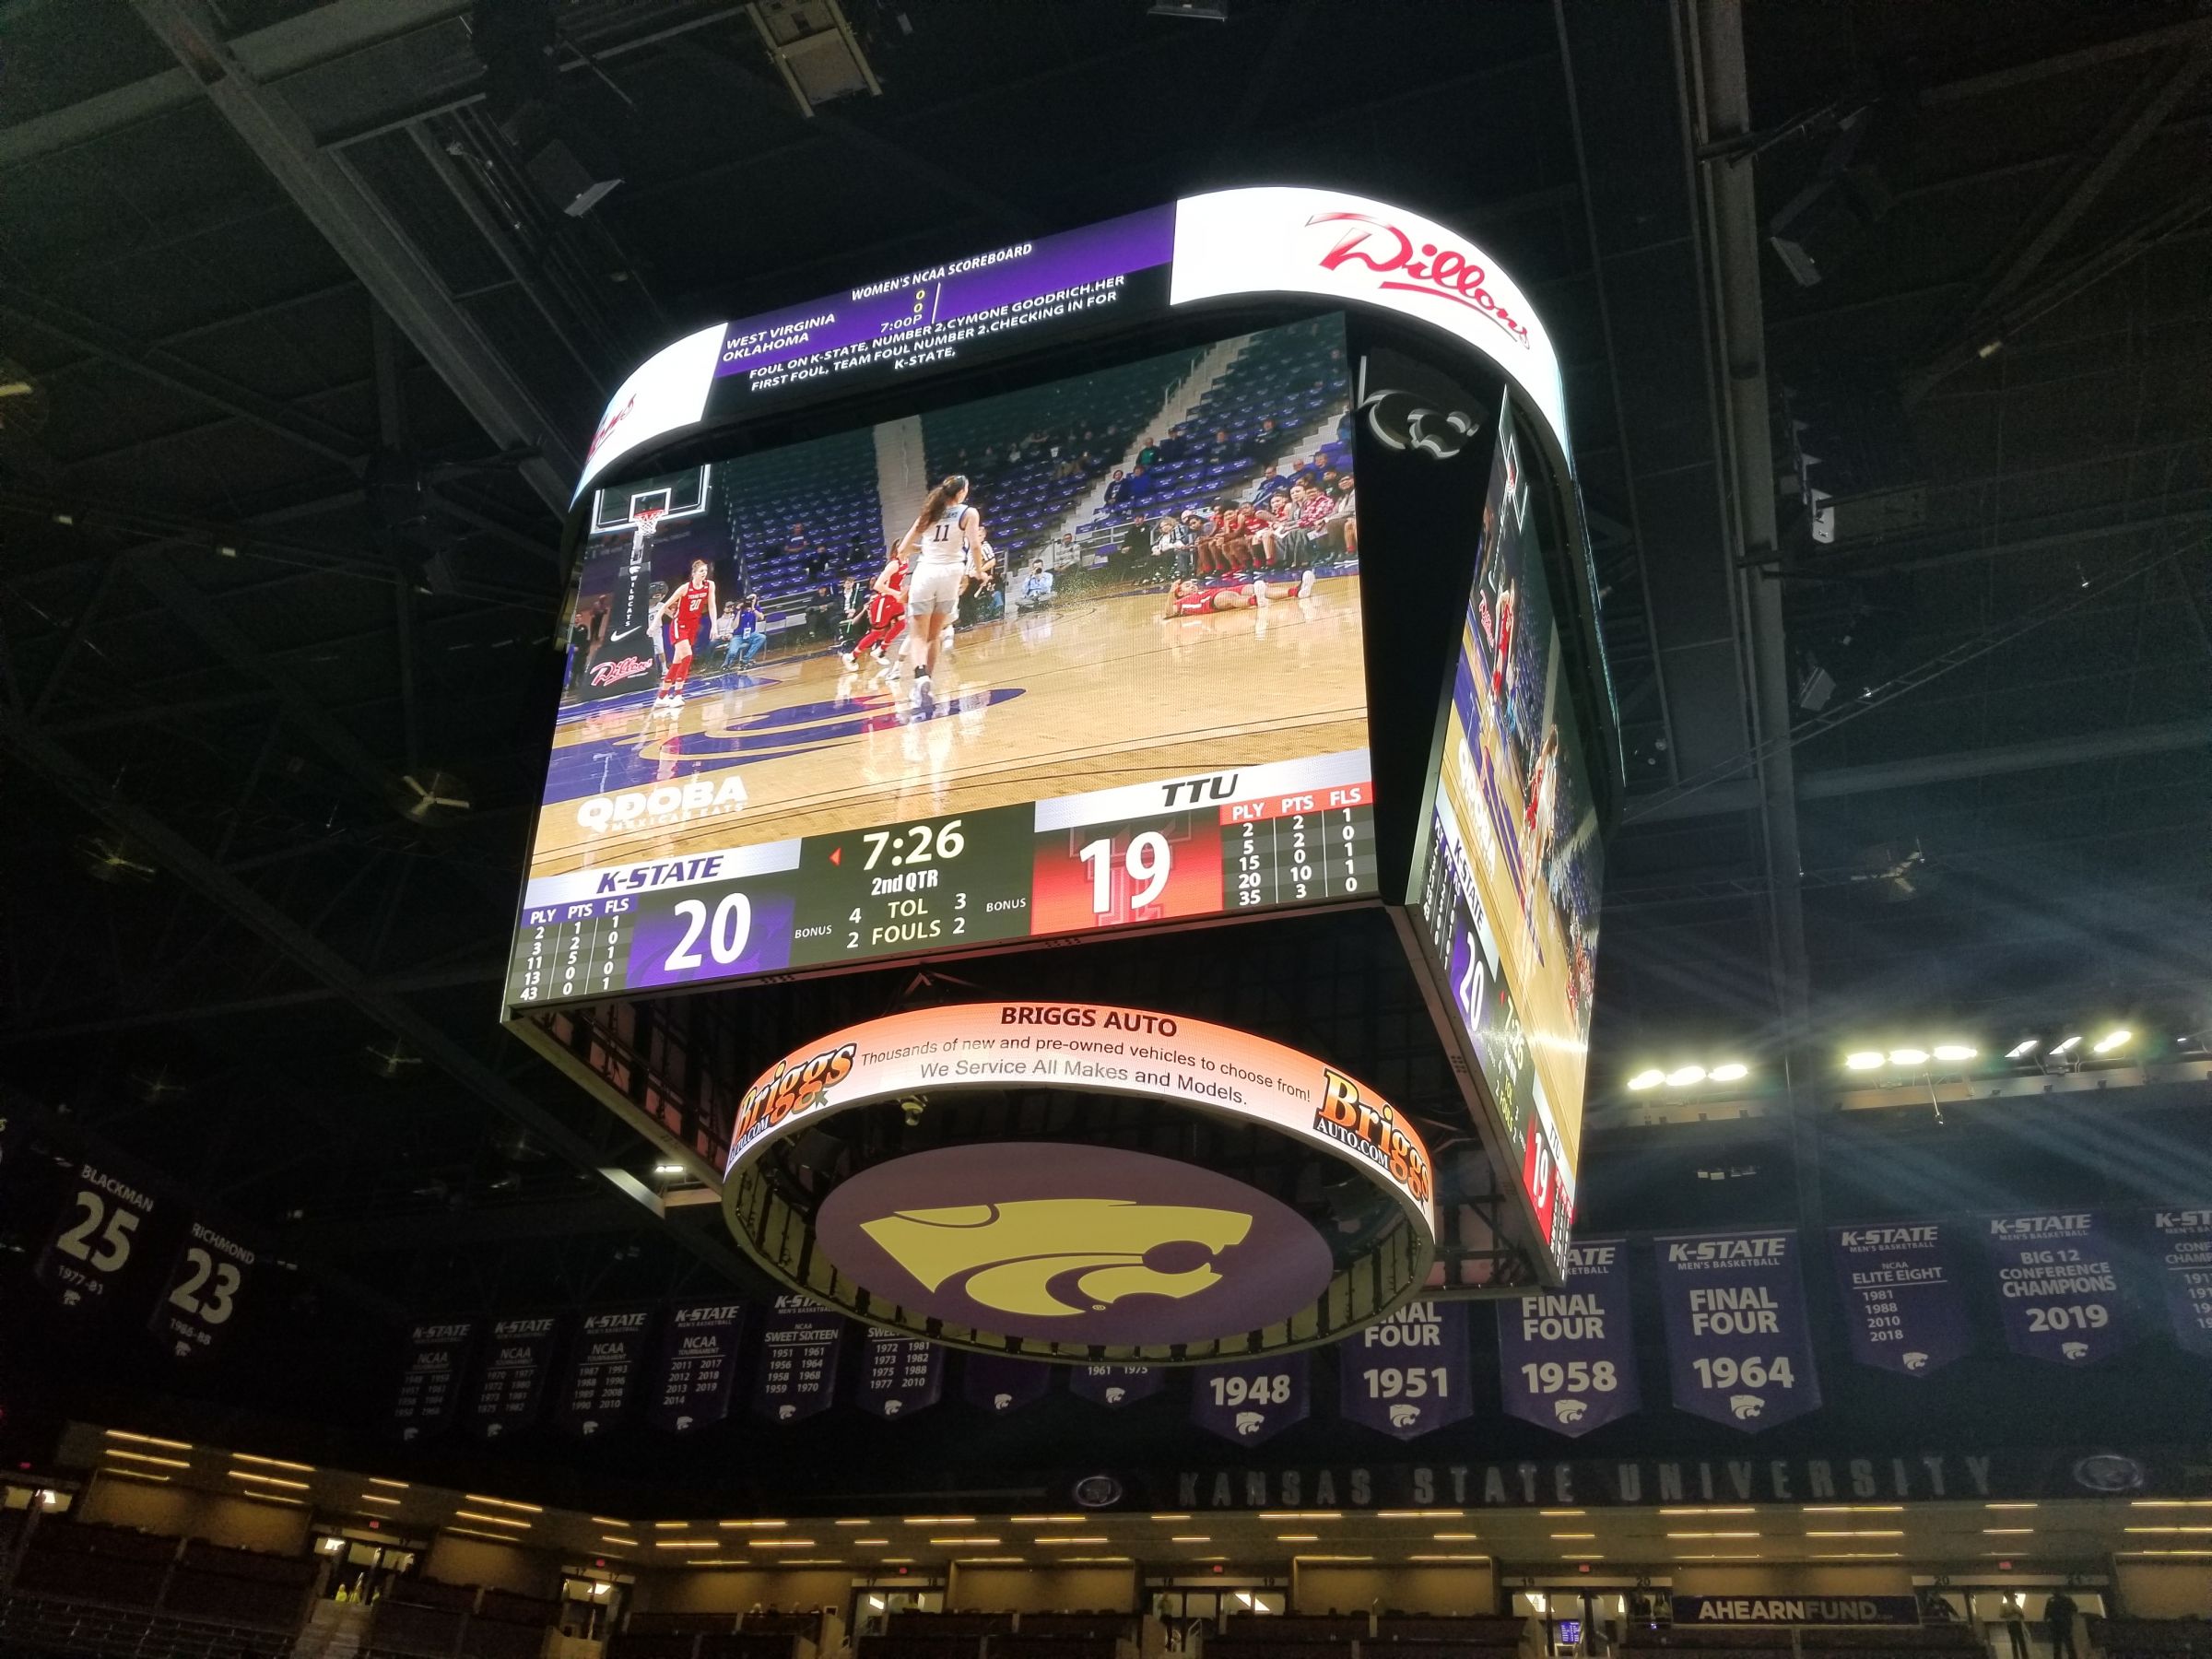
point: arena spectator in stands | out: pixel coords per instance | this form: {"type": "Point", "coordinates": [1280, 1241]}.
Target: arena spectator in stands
{"type": "Point", "coordinates": [1343, 522]}
{"type": "Point", "coordinates": [1116, 488]}
{"type": "Point", "coordinates": [724, 628]}
{"type": "Point", "coordinates": [821, 613]}
{"type": "Point", "coordinates": [1138, 485]}
{"type": "Point", "coordinates": [1171, 543]}
{"type": "Point", "coordinates": [1272, 483]}
{"type": "Point", "coordinates": [2059, 1610]}
{"type": "Point", "coordinates": [751, 637]}
{"type": "Point", "coordinates": [1036, 590]}
{"type": "Point", "coordinates": [794, 545]}
{"type": "Point", "coordinates": [852, 611]}
{"type": "Point", "coordinates": [1149, 455]}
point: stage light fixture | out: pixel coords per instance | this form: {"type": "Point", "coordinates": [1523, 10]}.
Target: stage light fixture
{"type": "Point", "coordinates": [1650, 1077]}
{"type": "Point", "coordinates": [1683, 1076]}
{"type": "Point", "coordinates": [2111, 1040]}
{"type": "Point", "coordinates": [2022, 1049]}
{"type": "Point", "coordinates": [1864, 1060]}
{"type": "Point", "coordinates": [1907, 1056]}
{"type": "Point", "coordinates": [2065, 1047]}
{"type": "Point", "coordinates": [1732, 1072]}
{"type": "Point", "coordinates": [1954, 1050]}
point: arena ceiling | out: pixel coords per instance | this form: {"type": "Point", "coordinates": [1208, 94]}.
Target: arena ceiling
{"type": "Point", "coordinates": [310, 354]}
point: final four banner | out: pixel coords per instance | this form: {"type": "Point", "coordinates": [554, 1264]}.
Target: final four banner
{"type": "Point", "coordinates": [1115, 1385]}
{"type": "Point", "coordinates": [699, 1366]}
{"type": "Point", "coordinates": [430, 1385]}
{"type": "Point", "coordinates": [1408, 1374]}
{"type": "Point", "coordinates": [1253, 1400]}
{"type": "Point", "coordinates": [1738, 1345]}
{"type": "Point", "coordinates": [2184, 1243]}
{"type": "Point", "coordinates": [1901, 1296]}
{"type": "Point", "coordinates": [899, 1375]}
{"type": "Point", "coordinates": [799, 1344]}
{"type": "Point", "coordinates": [1002, 1385]}
{"type": "Point", "coordinates": [2059, 1286]}
{"type": "Point", "coordinates": [1567, 1358]}
{"type": "Point", "coordinates": [606, 1372]}
{"type": "Point", "coordinates": [517, 1354]}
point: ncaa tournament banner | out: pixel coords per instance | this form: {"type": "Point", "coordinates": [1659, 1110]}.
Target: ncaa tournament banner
{"type": "Point", "coordinates": [1567, 1358]}
{"type": "Point", "coordinates": [699, 1366]}
{"type": "Point", "coordinates": [1253, 1400]}
{"type": "Point", "coordinates": [799, 1344]}
{"type": "Point", "coordinates": [430, 1384]}
{"type": "Point", "coordinates": [899, 1375]}
{"type": "Point", "coordinates": [1115, 1385]}
{"type": "Point", "coordinates": [517, 1355]}
{"type": "Point", "coordinates": [999, 1385]}
{"type": "Point", "coordinates": [1408, 1374]}
{"type": "Point", "coordinates": [2058, 1286]}
{"type": "Point", "coordinates": [1901, 1302]}
{"type": "Point", "coordinates": [1739, 1346]}
{"type": "Point", "coordinates": [604, 1373]}
{"type": "Point", "coordinates": [201, 1294]}
{"type": "Point", "coordinates": [89, 1252]}
{"type": "Point", "coordinates": [2184, 1244]}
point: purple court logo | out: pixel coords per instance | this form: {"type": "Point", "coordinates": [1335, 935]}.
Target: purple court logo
{"type": "Point", "coordinates": [1074, 1243]}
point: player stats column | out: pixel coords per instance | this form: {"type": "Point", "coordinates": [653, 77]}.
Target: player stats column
{"type": "Point", "coordinates": [1304, 847]}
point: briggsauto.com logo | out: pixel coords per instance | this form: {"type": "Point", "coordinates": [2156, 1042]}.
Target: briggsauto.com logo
{"type": "Point", "coordinates": [1074, 1243]}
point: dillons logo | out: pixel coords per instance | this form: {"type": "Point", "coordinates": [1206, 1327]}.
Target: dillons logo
{"type": "Point", "coordinates": [1423, 268]}
{"type": "Point", "coordinates": [617, 669]}
{"type": "Point", "coordinates": [1014, 1257]}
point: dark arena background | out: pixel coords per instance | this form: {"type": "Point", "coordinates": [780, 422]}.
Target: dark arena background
{"type": "Point", "coordinates": [892, 829]}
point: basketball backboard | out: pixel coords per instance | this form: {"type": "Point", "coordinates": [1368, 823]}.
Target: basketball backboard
{"type": "Point", "coordinates": [670, 496]}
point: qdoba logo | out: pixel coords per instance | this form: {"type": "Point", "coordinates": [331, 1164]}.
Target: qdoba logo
{"type": "Point", "coordinates": [1416, 269]}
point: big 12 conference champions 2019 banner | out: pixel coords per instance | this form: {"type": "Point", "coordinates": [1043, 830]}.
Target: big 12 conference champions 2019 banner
{"type": "Point", "coordinates": [1738, 1343]}
{"type": "Point", "coordinates": [1567, 1358]}
{"type": "Point", "coordinates": [2059, 1286]}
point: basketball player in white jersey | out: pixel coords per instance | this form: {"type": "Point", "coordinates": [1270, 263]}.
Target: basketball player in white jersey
{"type": "Point", "coordinates": [946, 546]}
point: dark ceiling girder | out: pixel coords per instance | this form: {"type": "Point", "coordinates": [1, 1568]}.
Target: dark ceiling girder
{"type": "Point", "coordinates": [179, 858]}
{"type": "Point", "coordinates": [2062, 62]}
{"type": "Point", "coordinates": [395, 273]}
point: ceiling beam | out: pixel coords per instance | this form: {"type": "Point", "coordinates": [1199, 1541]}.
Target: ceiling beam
{"type": "Point", "coordinates": [2060, 63]}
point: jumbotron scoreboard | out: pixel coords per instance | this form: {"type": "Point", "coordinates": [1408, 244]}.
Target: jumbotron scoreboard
{"type": "Point", "coordinates": [1203, 568]}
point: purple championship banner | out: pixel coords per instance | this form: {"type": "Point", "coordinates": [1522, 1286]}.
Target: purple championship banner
{"type": "Point", "coordinates": [999, 1385]}
{"type": "Point", "coordinates": [201, 1294]}
{"type": "Point", "coordinates": [1406, 1375]}
{"type": "Point", "coordinates": [2058, 1286]}
{"type": "Point", "coordinates": [699, 1366]}
{"type": "Point", "coordinates": [430, 1384]}
{"type": "Point", "coordinates": [899, 1375]}
{"type": "Point", "coordinates": [1901, 1302]}
{"type": "Point", "coordinates": [800, 1341]}
{"type": "Point", "coordinates": [91, 1250]}
{"type": "Point", "coordinates": [603, 1373]}
{"type": "Point", "coordinates": [2184, 1237]}
{"type": "Point", "coordinates": [1253, 1400]}
{"type": "Point", "coordinates": [1739, 1348]}
{"type": "Point", "coordinates": [517, 1353]}
{"type": "Point", "coordinates": [1115, 1385]}
{"type": "Point", "coordinates": [1567, 1358]}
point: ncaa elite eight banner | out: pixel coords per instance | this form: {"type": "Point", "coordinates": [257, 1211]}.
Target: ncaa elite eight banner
{"type": "Point", "coordinates": [1738, 1345]}
{"type": "Point", "coordinates": [1567, 1358]}
{"type": "Point", "coordinates": [1901, 1296]}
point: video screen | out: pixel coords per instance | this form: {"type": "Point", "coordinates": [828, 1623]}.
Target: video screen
{"type": "Point", "coordinates": [1515, 864]}
{"type": "Point", "coordinates": [1083, 655]}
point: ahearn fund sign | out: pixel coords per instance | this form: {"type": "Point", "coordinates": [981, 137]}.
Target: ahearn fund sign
{"type": "Point", "coordinates": [974, 1175]}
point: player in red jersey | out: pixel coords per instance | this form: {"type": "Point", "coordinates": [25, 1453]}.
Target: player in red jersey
{"type": "Point", "coordinates": [689, 607]}
{"type": "Point", "coordinates": [887, 617]}
{"type": "Point", "coordinates": [1188, 599]}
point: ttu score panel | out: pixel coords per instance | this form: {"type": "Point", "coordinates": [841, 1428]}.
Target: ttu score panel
{"type": "Point", "coordinates": [1207, 844]}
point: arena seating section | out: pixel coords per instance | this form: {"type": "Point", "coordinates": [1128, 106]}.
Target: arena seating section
{"type": "Point", "coordinates": [830, 488]}
{"type": "Point", "coordinates": [1931, 1640]}
{"type": "Point", "coordinates": [83, 1588]}
{"type": "Point", "coordinates": [757, 1635]}
{"type": "Point", "coordinates": [2151, 1638]}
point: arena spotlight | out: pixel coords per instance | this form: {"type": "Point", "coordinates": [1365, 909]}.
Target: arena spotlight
{"type": "Point", "coordinates": [2022, 1049]}
{"type": "Point", "coordinates": [1683, 1076]}
{"type": "Point", "coordinates": [1907, 1056]}
{"type": "Point", "coordinates": [2111, 1040]}
{"type": "Point", "coordinates": [1864, 1060]}
{"type": "Point", "coordinates": [1954, 1050]}
{"type": "Point", "coordinates": [1650, 1077]}
{"type": "Point", "coordinates": [1732, 1071]}
{"type": "Point", "coordinates": [2065, 1047]}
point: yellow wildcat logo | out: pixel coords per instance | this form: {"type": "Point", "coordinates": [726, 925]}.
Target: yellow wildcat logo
{"type": "Point", "coordinates": [1012, 1253]}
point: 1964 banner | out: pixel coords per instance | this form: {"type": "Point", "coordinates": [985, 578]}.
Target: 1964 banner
{"type": "Point", "coordinates": [2184, 1237]}
{"type": "Point", "coordinates": [1567, 1358]}
{"type": "Point", "coordinates": [2059, 1286]}
{"type": "Point", "coordinates": [1737, 1341]}
{"type": "Point", "coordinates": [1253, 1400]}
{"type": "Point", "coordinates": [1901, 1296]}
{"type": "Point", "coordinates": [1406, 1375]}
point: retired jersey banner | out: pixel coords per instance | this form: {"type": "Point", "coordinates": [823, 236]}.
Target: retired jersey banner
{"type": "Point", "coordinates": [1253, 1400]}
{"type": "Point", "coordinates": [2058, 1286]}
{"type": "Point", "coordinates": [799, 1344]}
{"type": "Point", "coordinates": [201, 1296]}
{"type": "Point", "coordinates": [899, 1375]}
{"type": "Point", "coordinates": [1001, 1386]}
{"type": "Point", "coordinates": [429, 1386]}
{"type": "Point", "coordinates": [1408, 1374]}
{"type": "Point", "coordinates": [1900, 1294]}
{"type": "Point", "coordinates": [516, 1356]}
{"type": "Point", "coordinates": [2184, 1237]}
{"type": "Point", "coordinates": [1567, 1358]}
{"type": "Point", "coordinates": [1115, 1385]}
{"type": "Point", "coordinates": [91, 1249]}
{"type": "Point", "coordinates": [605, 1373]}
{"type": "Point", "coordinates": [1739, 1346]}
{"type": "Point", "coordinates": [699, 1366]}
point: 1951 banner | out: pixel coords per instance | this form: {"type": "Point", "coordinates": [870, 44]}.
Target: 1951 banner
{"type": "Point", "coordinates": [1739, 1345]}
{"type": "Point", "coordinates": [1406, 1375]}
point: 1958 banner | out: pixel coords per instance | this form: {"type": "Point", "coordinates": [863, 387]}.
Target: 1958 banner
{"type": "Point", "coordinates": [1567, 1358]}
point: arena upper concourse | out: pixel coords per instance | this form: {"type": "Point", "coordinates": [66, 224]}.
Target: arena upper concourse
{"type": "Point", "coordinates": [1235, 828]}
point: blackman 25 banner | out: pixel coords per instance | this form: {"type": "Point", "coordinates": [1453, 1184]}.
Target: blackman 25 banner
{"type": "Point", "coordinates": [2058, 1287]}
{"type": "Point", "coordinates": [1253, 1400]}
{"type": "Point", "coordinates": [1567, 1358]}
{"type": "Point", "coordinates": [516, 1353]}
{"type": "Point", "coordinates": [1739, 1346]}
{"type": "Point", "coordinates": [1115, 1385]}
{"type": "Point", "coordinates": [2184, 1237]}
{"type": "Point", "coordinates": [429, 1382]}
{"type": "Point", "coordinates": [1000, 1386]}
{"type": "Point", "coordinates": [92, 1246]}
{"type": "Point", "coordinates": [899, 1375]}
{"type": "Point", "coordinates": [1902, 1302]}
{"type": "Point", "coordinates": [799, 1344]}
{"type": "Point", "coordinates": [1407, 1375]}
{"type": "Point", "coordinates": [604, 1372]}
{"type": "Point", "coordinates": [699, 1366]}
